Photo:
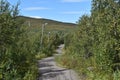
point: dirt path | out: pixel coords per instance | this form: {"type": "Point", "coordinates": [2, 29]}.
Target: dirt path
{"type": "Point", "coordinates": [48, 69]}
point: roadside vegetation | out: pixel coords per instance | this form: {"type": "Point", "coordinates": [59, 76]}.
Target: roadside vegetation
{"type": "Point", "coordinates": [20, 46]}
{"type": "Point", "coordinates": [17, 51]}
{"type": "Point", "coordinates": [93, 50]}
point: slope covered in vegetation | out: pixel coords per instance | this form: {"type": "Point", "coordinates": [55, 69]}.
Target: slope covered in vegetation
{"type": "Point", "coordinates": [22, 43]}
{"type": "Point", "coordinates": [94, 49]}
{"type": "Point", "coordinates": [52, 25]}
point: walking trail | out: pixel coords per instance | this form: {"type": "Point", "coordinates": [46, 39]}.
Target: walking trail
{"type": "Point", "coordinates": [48, 69]}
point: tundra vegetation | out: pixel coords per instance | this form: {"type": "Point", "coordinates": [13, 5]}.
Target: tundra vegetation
{"type": "Point", "coordinates": [93, 50]}
{"type": "Point", "coordinates": [20, 47]}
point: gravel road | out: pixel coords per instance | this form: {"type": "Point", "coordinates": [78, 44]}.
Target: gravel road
{"type": "Point", "coordinates": [48, 70]}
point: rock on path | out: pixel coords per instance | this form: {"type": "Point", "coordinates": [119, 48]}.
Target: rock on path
{"type": "Point", "coordinates": [48, 70]}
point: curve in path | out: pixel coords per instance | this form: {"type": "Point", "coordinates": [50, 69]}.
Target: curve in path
{"type": "Point", "coordinates": [48, 69]}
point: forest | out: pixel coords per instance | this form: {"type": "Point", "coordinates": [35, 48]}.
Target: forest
{"type": "Point", "coordinates": [92, 49]}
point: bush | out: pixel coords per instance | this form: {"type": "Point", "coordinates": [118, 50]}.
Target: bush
{"type": "Point", "coordinates": [17, 56]}
{"type": "Point", "coordinates": [94, 47]}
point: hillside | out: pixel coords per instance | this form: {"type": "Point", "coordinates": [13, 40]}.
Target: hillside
{"type": "Point", "coordinates": [36, 24]}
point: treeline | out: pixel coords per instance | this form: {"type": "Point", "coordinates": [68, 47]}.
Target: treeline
{"type": "Point", "coordinates": [94, 49]}
{"type": "Point", "coordinates": [19, 47]}
{"type": "Point", "coordinates": [51, 40]}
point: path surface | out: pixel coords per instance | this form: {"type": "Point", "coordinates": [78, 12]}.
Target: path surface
{"type": "Point", "coordinates": [48, 69]}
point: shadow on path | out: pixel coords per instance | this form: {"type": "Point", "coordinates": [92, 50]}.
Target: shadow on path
{"type": "Point", "coordinates": [48, 70]}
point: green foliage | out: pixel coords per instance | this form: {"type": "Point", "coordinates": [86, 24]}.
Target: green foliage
{"type": "Point", "coordinates": [16, 49]}
{"type": "Point", "coordinates": [53, 26]}
{"type": "Point", "coordinates": [20, 45]}
{"type": "Point", "coordinates": [95, 46]}
{"type": "Point", "coordinates": [50, 43]}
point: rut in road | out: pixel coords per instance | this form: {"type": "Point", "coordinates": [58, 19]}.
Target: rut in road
{"type": "Point", "coordinates": [48, 70]}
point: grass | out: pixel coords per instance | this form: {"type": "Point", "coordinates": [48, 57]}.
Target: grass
{"type": "Point", "coordinates": [81, 67]}
{"type": "Point", "coordinates": [35, 24]}
{"type": "Point", "coordinates": [0, 76]}
{"type": "Point", "coordinates": [40, 56]}
{"type": "Point", "coordinates": [70, 62]}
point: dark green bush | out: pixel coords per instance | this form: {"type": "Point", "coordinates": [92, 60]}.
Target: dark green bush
{"type": "Point", "coordinates": [95, 44]}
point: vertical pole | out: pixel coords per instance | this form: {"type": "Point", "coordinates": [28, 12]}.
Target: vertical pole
{"type": "Point", "coordinates": [29, 23]}
{"type": "Point", "coordinates": [48, 36]}
{"type": "Point", "coordinates": [43, 26]}
{"type": "Point", "coordinates": [42, 34]}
